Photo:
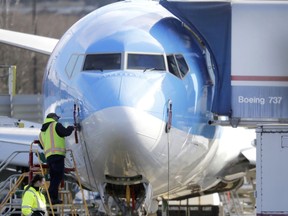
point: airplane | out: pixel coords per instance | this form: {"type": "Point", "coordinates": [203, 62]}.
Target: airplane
{"type": "Point", "coordinates": [140, 84]}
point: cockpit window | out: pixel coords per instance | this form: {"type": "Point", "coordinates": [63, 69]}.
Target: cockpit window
{"type": "Point", "coordinates": [74, 65]}
{"type": "Point", "coordinates": [102, 62]}
{"type": "Point", "coordinates": [182, 65]}
{"type": "Point", "coordinates": [172, 66]}
{"type": "Point", "coordinates": [177, 65]}
{"type": "Point", "coordinates": [145, 62]}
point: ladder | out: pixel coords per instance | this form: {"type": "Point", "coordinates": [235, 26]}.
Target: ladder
{"type": "Point", "coordinates": [9, 203]}
{"type": "Point", "coordinates": [231, 203]}
{"type": "Point", "coordinates": [240, 201]}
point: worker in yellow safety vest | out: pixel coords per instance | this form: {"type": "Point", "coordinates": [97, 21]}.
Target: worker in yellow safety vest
{"type": "Point", "coordinates": [52, 139]}
{"type": "Point", "coordinates": [33, 201]}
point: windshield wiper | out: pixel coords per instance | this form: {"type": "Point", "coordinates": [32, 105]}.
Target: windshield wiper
{"type": "Point", "coordinates": [101, 69]}
{"type": "Point", "coordinates": [151, 69]}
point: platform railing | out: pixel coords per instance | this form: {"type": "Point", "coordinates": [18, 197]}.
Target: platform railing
{"type": "Point", "coordinates": [7, 206]}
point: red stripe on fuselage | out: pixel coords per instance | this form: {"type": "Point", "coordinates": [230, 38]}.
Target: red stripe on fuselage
{"type": "Point", "coordinates": [260, 78]}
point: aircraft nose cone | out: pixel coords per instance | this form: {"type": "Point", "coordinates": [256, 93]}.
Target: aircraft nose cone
{"type": "Point", "coordinates": [130, 105]}
{"type": "Point", "coordinates": [128, 125]}
{"type": "Point", "coordinates": [122, 137]}
{"type": "Point", "coordinates": [125, 89]}
{"type": "Point", "coordinates": [125, 126]}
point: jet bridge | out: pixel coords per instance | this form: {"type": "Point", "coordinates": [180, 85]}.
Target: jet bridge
{"type": "Point", "coordinates": [248, 40]}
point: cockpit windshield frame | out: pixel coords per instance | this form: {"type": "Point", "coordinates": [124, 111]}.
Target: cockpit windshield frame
{"type": "Point", "coordinates": [102, 62]}
{"type": "Point", "coordinates": [172, 63]}
{"type": "Point", "coordinates": [145, 61]}
{"type": "Point", "coordinates": [177, 65]}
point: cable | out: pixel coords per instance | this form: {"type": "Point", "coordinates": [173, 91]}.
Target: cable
{"type": "Point", "coordinates": [169, 115]}
{"type": "Point", "coordinates": [168, 171]}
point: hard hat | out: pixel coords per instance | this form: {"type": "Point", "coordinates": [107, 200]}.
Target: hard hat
{"type": "Point", "coordinates": [53, 115]}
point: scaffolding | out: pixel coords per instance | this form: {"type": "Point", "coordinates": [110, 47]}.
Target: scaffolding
{"type": "Point", "coordinates": [11, 203]}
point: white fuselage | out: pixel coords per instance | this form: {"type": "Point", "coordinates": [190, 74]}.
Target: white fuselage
{"type": "Point", "coordinates": [140, 146]}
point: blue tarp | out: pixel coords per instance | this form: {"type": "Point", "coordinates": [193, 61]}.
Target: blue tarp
{"type": "Point", "coordinates": [212, 20]}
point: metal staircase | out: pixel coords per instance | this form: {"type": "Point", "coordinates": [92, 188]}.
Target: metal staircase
{"type": "Point", "coordinates": [241, 201]}
{"type": "Point", "coordinates": [12, 188]}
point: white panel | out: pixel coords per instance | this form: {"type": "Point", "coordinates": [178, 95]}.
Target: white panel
{"type": "Point", "coordinates": [260, 38]}
{"type": "Point", "coordinates": [272, 175]}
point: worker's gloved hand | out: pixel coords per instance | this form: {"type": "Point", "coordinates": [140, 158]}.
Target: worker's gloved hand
{"type": "Point", "coordinates": [38, 143]}
{"type": "Point", "coordinates": [71, 128]}
{"type": "Point", "coordinates": [40, 146]}
{"type": "Point", "coordinates": [77, 127]}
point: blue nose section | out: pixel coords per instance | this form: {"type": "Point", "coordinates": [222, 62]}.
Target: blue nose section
{"type": "Point", "coordinates": [138, 90]}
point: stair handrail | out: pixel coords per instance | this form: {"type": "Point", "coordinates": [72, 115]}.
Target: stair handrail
{"type": "Point", "coordinates": [5, 183]}
{"type": "Point", "coordinates": [13, 189]}
{"type": "Point", "coordinates": [9, 183]}
{"type": "Point", "coordinates": [7, 161]}
{"type": "Point", "coordinates": [79, 182]}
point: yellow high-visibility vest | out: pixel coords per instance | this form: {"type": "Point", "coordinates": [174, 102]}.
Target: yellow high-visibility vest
{"type": "Point", "coordinates": [51, 141]}
{"type": "Point", "coordinates": [32, 200]}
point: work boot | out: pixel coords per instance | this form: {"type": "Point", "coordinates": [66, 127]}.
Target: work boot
{"type": "Point", "coordinates": [56, 201]}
